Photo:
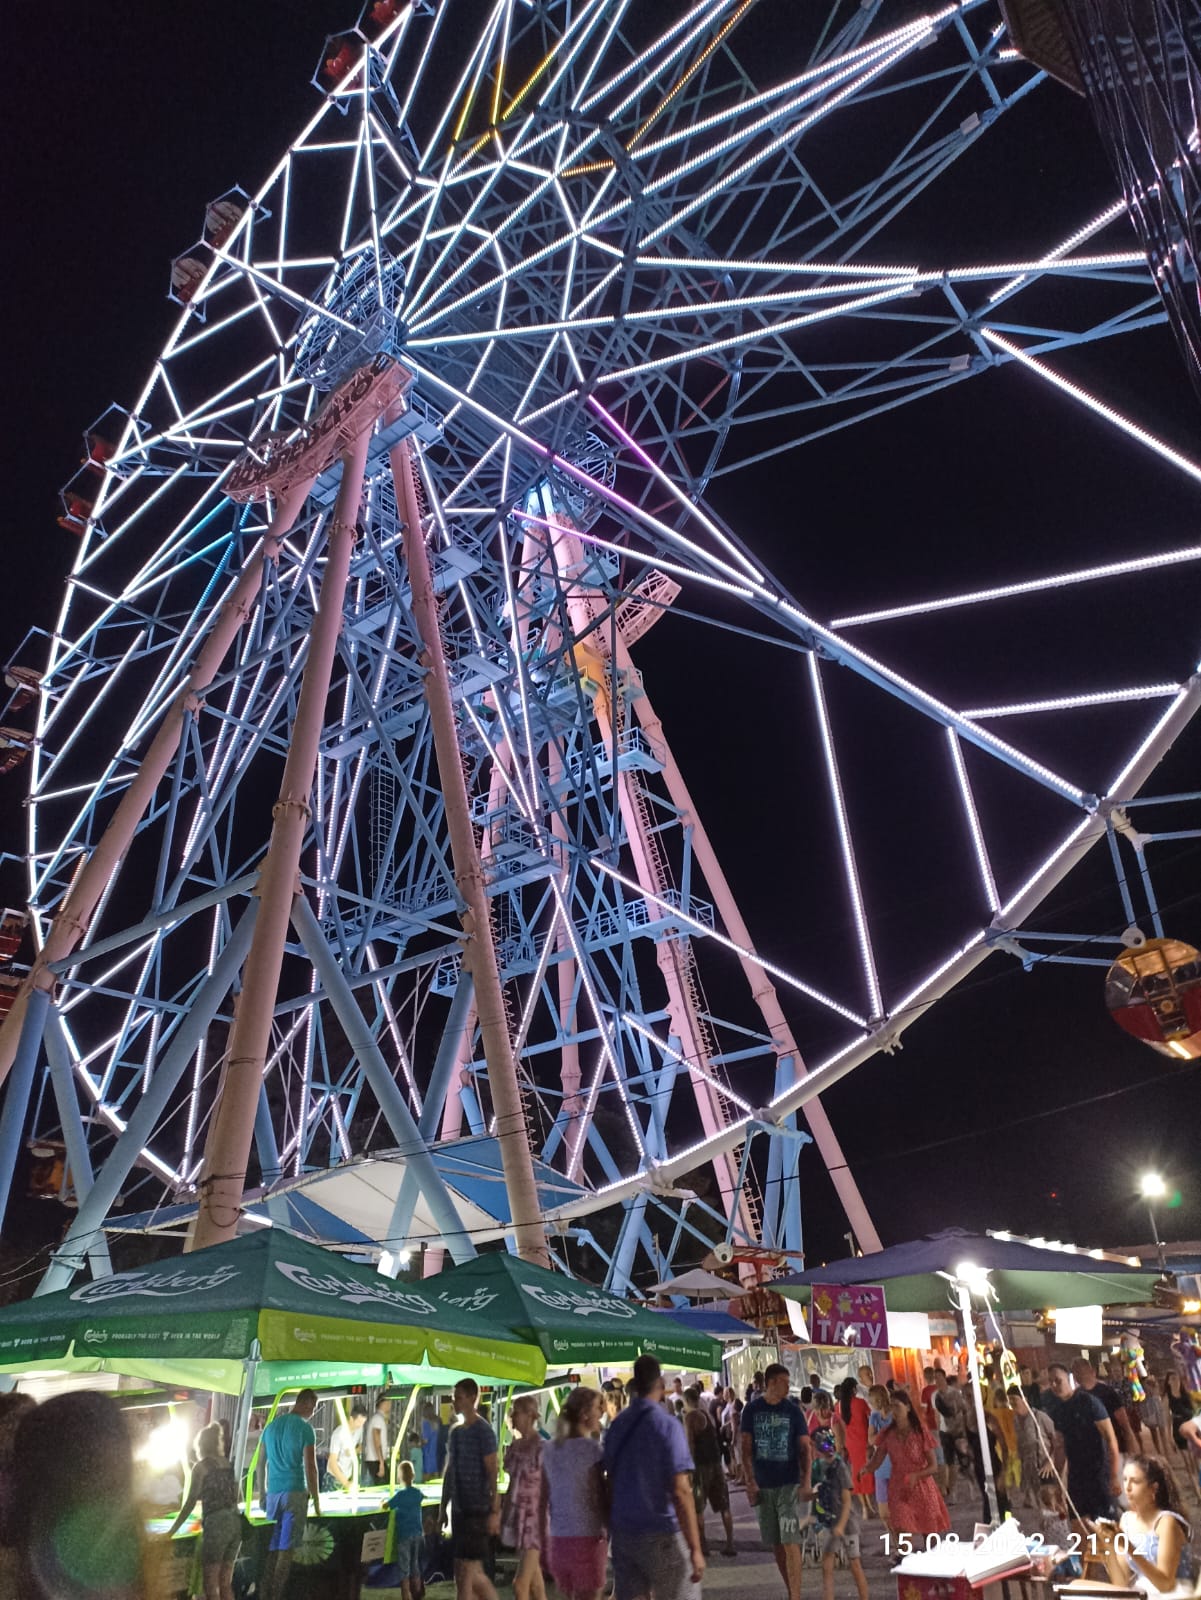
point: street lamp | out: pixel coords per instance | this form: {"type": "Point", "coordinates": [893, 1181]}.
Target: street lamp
{"type": "Point", "coordinates": [1153, 1188]}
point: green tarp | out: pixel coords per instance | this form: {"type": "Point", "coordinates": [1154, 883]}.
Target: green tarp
{"type": "Point", "coordinates": [568, 1320]}
{"type": "Point", "coordinates": [299, 1302]}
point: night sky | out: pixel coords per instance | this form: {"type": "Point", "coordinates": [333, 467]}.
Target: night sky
{"type": "Point", "coordinates": [1017, 1104]}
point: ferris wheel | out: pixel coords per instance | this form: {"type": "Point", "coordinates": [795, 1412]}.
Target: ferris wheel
{"type": "Point", "coordinates": [361, 862]}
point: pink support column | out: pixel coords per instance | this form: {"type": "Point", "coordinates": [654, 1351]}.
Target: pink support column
{"type": "Point", "coordinates": [673, 955]}
{"type": "Point", "coordinates": [479, 955]}
{"type": "Point", "coordinates": [74, 916]}
{"type": "Point", "coordinates": [227, 1150]}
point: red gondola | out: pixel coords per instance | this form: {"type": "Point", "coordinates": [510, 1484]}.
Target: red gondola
{"type": "Point", "coordinates": [1153, 991]}
{"type": "Point", "coordinates": [12, 931]}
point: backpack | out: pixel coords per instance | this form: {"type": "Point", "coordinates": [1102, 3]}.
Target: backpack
{"type": "Point", "coordinates": [827, 1500]}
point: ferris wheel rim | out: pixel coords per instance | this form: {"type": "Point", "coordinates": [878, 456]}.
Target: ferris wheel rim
{"type": "Point", "coordinates": [1185, 696]}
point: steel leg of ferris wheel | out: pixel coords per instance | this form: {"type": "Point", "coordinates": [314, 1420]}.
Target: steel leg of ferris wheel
{"type": "Point", "coordinates": [20, 1086]}
{"type": "Point", "coordinates": [71, 921]}
{"type": "Point", "coordinates": [782, 1192]}
{"type": "Point", "coordinates": [79, 1160]}
{"type": "Point", "coordinates": [618, 1279]}
{"type": "Point", "coordinates": [762, 988]}
{"type": "Point", "coordinates": [136, 1135]}
{"type": "Point", "coordinates": [227, 1148]}
{"type": "Point", "coordinates": [479, 954]}
{"type": "Point", "coordinates": [449, 1046]}
{"type": "Point", "coordinates": [382, 1083]}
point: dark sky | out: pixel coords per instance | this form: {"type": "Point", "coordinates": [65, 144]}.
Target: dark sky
{"type": "Point", "coordinates": [122, 130]}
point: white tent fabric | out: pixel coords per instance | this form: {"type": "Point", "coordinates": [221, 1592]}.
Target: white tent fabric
{"type": "Point", "coordinates": [698, 1285]}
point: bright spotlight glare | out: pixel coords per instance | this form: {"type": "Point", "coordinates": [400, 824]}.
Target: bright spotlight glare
{"type": "Point", "coordinates": [166, 1446]}
{"type": "Point", "coordinates": [975, 1277]}
{"type": "Point", "coordinates": [1152, 1186]}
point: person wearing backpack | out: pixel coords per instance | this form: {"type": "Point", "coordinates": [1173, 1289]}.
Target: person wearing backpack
{"type": "Point", "coordinates": [835, 1514]}
{"type": "Point", "coordinates": [708, 1479]}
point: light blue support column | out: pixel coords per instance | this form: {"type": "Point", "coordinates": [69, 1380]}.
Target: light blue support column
{"type": "Point", "coordinates": [264, 1140]}
{"type": "Point", "coordinates": [79, 1161]}
{"type": "Point", "coordinates": [791, 1142]}
{"type": "Point", "coordinates": [473, 1116]}
{"type": "Point", "coordinates": [20, 1083]}
{"type": "Point", "coordinates": [618, 1278]}
{"type": "Point", "coordinates": [401, 1219]}
{"type": "Point", "coordinates": [68, 1258]}
{"type": "Point", "coordinates": [383, 1085]}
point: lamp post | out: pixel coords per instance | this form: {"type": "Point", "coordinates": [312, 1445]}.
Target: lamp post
{"type": "Point", "coordinates": [969, 1279]}
{"type": "Point", "coordinates": [1153, 1188]}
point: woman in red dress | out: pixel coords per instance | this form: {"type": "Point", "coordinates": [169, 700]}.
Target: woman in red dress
{"type": "Point", "coordinates": [914, 1504]}
{"type": "Point", "coordinates": [854, 1416]}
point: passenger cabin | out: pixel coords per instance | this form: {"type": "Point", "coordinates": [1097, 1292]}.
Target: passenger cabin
{"type": "Point", "coordinates": [1153, 991]}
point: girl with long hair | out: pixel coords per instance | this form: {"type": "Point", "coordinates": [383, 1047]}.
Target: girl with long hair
{"type": "Point", "coordinates": [1149, 1548]}
{"type": "Point", "coordinates": [854, 1417]}
{"type": "Point", "coordinates": [213, 1483]}
{"type": "Point", "coordinates": [522, 1517]}
{"type": "Point", "coordinates": [575, 1498]}
{"type": "Point", "coordinates": [914, 1503]}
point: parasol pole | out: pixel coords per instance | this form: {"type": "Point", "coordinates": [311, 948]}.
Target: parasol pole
{"type": "Point", "coordinates": [968, 1277]}
{"type": "Point", "coordinates": [241, 1433]}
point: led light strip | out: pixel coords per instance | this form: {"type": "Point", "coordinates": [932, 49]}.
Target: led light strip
{"type": "Point", "coordinates": [1142, 435]}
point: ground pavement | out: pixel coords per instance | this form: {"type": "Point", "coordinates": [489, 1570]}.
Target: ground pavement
{"type": "Point", "coordinates": [752, 1574]}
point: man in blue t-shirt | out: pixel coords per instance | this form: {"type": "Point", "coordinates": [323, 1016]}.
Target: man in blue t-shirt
{"type": "Point", "coordinates": [653, 1530]}
{"type": "Point", "coordinates": [290, 1447]}
{"type": "Point", "coordinates": [776, 1467]}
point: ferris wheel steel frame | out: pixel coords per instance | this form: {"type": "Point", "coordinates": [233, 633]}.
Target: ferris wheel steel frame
{"type": "Point", "coordinates": [528, 435]}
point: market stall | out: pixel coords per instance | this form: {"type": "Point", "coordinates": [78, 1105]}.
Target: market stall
{"type": "Point", "coordinates": [259, 1318]}
{"type": "Point", "coordinates": [569, 1321]}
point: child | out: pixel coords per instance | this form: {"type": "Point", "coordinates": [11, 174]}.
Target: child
{"type": "Point", "coordinates": [1155, 1418]}
{"type": "Point", "coordinates": [522, 1525]}
{"type": "Point", "coordinates": [407, 1505]}
{"type": "Point", "coordinates": [837, 1520]}
{"type": "Point", "coordinates": [879, 1420]}
{"type": "Point", "coordinates": [213, 1484]}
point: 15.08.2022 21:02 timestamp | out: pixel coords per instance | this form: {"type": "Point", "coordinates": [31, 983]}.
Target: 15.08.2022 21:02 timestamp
{"type": "Point", "coordinates": [1092, 1544]}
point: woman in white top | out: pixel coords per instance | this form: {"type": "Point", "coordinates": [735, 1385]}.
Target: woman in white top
{"type": "Point", "coordinates": [575, 1496]}
{"type": "Point", "coordinates": [1148, 1550]}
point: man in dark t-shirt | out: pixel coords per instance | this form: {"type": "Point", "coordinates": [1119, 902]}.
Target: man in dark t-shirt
{"type": "Point", "coordinates": [1090, 1445]}
{"type": "Point", "coordinates": [1086, 1378]}
{"type": "Point", "coordinates": [469, 1490]}
{"type": "Point", "coordinates": [777, 1467]}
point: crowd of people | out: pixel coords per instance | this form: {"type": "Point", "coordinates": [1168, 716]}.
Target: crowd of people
{"type": "Point", "coordinates": [627, 1478]}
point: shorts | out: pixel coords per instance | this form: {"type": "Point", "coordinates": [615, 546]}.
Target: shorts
{"type": "Point", "coordinates": [779, 1515]}
{"type": "Point", "coordinates": [577, 1563]}
{"type": "Point", "coordinates": [408, 1558]}
{"type": "Point", "coordinates": [289, 1512]}
{"type": "Point", "coordinates": [830, 1543]}
{"type": "Point", "coordinates": [882, 1489]}
{"type": "Point", "coordinates": [470, 1537]}
{"type": "Point", "coordinates": [946, 1444]}
{"type": "Point", "coordinates": [221, 1537]}
{"type": "Point", "coordinates": [652, 1563]}
{"type": "Point", "coordinates": [709, 1489]}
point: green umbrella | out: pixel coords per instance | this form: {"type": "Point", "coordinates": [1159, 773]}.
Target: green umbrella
{"type": "Point", "coordinates": [1021, 1276]}
{"type": "Point", "coordinates": [568, 1320]}
{"type": "Point", "coordinates": [299, 1302]}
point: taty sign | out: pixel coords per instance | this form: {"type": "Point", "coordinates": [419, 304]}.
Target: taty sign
{"type": "Point", "coordinates": [849, 1315]}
